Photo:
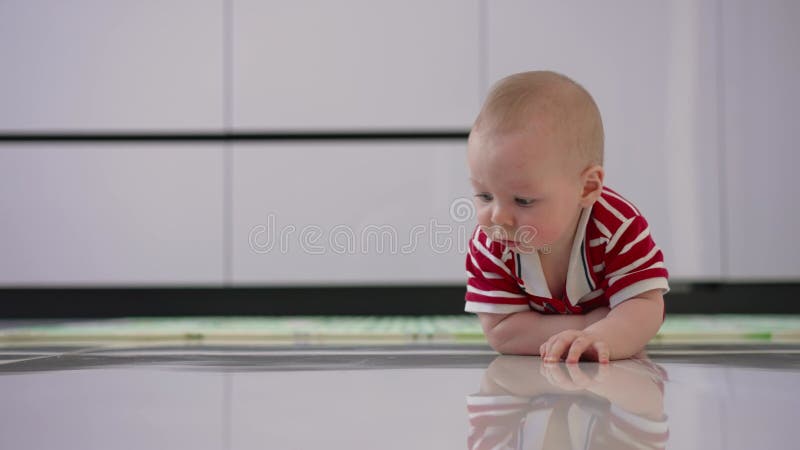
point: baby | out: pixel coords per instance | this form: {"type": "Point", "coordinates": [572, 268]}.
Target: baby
{"type": "Point", "coordinates": [559, 265]}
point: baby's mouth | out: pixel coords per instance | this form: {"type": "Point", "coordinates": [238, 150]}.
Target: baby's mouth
{"type": "Point", "coordinates": [516, 245]}
{"type": "Point", "coordinates": [520, 239]}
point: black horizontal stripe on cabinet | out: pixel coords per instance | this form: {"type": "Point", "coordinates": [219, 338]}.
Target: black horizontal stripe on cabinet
{"type": "Point", "coordinates": [320, 135]}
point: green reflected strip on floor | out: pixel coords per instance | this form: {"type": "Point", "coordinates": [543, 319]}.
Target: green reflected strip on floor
{"type": "Point", "coordinates": [440, 329]}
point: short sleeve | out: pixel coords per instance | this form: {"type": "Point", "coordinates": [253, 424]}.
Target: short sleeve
{"type": "Point", "coordinates": [633, 263]}
{"type": "Point", "coordinates": [491, 285]}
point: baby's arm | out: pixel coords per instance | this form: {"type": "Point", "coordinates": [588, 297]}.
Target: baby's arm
{"type": "Point", "coordinates": [623, 333]}
{"type": "Point", "coordinates": [631, 325]}
{"type": "Point", "coordinates": [522, 333]}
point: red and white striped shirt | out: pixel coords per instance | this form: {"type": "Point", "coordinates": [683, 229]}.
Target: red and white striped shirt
{"type": "Point", "coordinates": [613, 259]}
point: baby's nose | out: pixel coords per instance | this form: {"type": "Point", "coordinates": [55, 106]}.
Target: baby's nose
{"type": "Point", "coordinates": [502, 216]}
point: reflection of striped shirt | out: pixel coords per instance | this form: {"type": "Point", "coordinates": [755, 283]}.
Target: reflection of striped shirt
{"type": "Point", "coordinates": [613, 259]}
{"type": "Point", "coordinates": [511, 422]}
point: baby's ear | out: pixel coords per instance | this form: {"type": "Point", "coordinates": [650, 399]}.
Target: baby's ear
{"type": "Point", "coordinates": [592, 185]}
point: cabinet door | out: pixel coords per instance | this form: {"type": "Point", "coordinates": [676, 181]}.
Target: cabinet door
{"type": "Point", "coordinates": [100, 214]}
{"type": "Point", "coordinates": [350, 213]}
{"type": "Point", "coordinates": [355, 64]}
{"type": "Point", "coordinates": [651, 67]}
{"type": "Point", "coordinates": [95, 65]}
{"type": "Point", "coordinates": [762, 106]}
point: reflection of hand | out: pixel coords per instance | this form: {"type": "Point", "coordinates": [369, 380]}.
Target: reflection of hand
{"type": "Point", "coordinates": [610, 406]}
{"type": "Point", "coordinates": [575, 379]}
{"type": "Point", "coordinates": [635, 385]}
{"type": "Point", "coordinates": [578, 342]}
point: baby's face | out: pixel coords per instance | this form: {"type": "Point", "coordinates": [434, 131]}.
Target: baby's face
{"type": "Point", "coordinates": [526, 191]}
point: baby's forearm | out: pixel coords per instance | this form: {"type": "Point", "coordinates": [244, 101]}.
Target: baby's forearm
{"type": "Point", "coordinates": [629, 327]}
{"type": "Point", "coordinates": [523, 333]}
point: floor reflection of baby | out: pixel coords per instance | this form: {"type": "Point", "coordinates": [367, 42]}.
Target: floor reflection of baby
{"type": "Point", "coordinates": [524, 403]}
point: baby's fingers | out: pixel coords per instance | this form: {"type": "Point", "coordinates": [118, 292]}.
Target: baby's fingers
{"type": "Point", "coordinates": [556, 349]}
{"type": "Point", "coordinates": [578, 347]}
{"type": "Point", "coordinates": [603, 352]}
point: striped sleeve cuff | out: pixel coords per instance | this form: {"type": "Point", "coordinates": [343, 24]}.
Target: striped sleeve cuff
{"type": "Point", "coordinates": [637, 288]}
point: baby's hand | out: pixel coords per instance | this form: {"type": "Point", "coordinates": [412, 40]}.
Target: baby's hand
{"type": "Point", "coordinates": [578, 342]}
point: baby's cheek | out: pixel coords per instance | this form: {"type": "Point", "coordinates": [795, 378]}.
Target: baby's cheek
{"type": "Point", "coordinates": [549, 235]}
{"type": "Point", "coordinates": [545, 236]}
{"type": "Point", "coordinates": [529, 229]}
{"type": "Point", "coordinates": [483, 216]}
{"type": "Point", "coordinates": [535, 233]}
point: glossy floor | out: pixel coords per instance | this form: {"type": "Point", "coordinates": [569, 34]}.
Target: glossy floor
{"type": "Point", "coordinates": [243, 396]}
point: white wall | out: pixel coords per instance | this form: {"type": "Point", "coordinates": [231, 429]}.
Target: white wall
{"type": "Point", "coordinates": [652, 71]}
{"type": "Point", "coordinates": [354, 64]}
{"type": "Point", "coordinates": [760, 73]}
{"type": "Point", "coordinates": [698, 100]}
{"type": "Point", "coordinates": [86, 214]}
{"type": "Point", "coordinates": [111, 65]}
{"type": "Point", "coordinates": [348, 213]}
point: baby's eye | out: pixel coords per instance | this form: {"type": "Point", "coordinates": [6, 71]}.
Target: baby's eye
{"type": "Point", "coordinates": [484, 197]}
{"type": "Point", "coordinates": [524, 201]}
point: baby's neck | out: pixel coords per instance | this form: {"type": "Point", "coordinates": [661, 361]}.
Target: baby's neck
{"type": "Point", "coordinates": [552, 254]}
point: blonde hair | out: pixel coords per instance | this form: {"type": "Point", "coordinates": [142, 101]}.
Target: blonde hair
{"type": "Point", "coordinates": [518, 101]}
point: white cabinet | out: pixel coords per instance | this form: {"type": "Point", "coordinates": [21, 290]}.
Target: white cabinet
{"type": "Point", "coordinates": [651, 67]}
{"type": "Point", "coordinates": [699, 100]}
{"type": "Point", "coordinates": [354, 212]}
{"type": "Point", "coordinates": [101, 214]}
{"type": "Point", "coordinates": [95, 65]}
{"type": "Point", "coordinates": [355, 65]}
{"type": "Point", "coordinates": [761, 65]}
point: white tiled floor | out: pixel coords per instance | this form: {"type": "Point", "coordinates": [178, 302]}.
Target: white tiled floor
{"type": "Point", "coordinates": [439, 397]}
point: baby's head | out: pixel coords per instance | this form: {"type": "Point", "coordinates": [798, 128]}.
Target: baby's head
{"type": "Point", "coordinates": [535, 156]}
